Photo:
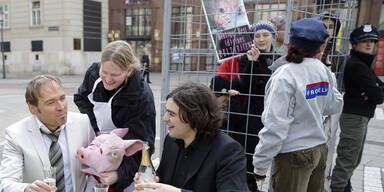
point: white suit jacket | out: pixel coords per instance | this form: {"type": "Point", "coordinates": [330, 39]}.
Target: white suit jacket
{"type": "Point", "coordinates": [25, 153]}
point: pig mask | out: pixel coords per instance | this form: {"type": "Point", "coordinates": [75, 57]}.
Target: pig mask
{"type": "Point", "coordinates": [106, 151]}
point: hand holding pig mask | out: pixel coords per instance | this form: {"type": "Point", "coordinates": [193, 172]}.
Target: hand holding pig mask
{"type": "Point", "coordinates": [106, 152]}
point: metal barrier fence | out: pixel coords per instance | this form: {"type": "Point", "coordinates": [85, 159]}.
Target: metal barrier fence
{"type": "Point", "coordinates": [189, 52]}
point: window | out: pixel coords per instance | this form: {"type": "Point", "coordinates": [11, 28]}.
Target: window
{"type": "Point", "coordinates": [76, 44]}
{"type": "Point", "coordinates": [264, 12]}
{"type": "Point", "coordinates": [37, 45]}
{"type": "Point", "coordinates": [138, 24]}
{"type": "Point", "coordinates": [7, 46]}
{"type": "Point", "coordinates": [181, 27]}
{"type": "Point", "coordinates": [381, 24]}
{"type": "Point", "coordinates": [4, 10]}
{"type": "Point", "coordinates": [36, 13]}
{"type": "Point", "coordinates": [92, 25]}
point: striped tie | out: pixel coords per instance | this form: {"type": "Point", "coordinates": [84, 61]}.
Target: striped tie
{"type": "Point", "coordinates": [56, 159]}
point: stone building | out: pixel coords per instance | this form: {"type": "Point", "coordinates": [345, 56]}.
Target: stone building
{"type": "Point", "coordinates": [53, 36]}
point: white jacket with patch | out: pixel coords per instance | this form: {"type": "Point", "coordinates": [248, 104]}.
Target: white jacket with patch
{"type": "Point", "coordinates": [297, 96]}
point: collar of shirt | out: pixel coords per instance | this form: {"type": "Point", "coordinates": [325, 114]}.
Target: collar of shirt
{"type": "Point", "coordinates": [42, 126]}
{"type": "Point", "coordinates": [190, 147]}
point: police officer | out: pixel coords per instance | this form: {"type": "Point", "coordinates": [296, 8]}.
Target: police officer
{"type": "Point", "coordinates": [363, 91]}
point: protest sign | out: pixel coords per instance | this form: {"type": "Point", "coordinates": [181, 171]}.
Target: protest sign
{"type": "Point", "coordinates": [229, 27]}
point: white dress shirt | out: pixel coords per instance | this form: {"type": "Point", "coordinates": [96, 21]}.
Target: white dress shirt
{"type": "Point", "coordinates": [64, 149]}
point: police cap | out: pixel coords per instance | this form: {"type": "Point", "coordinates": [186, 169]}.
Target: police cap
{"type": "Point", "coordinates": [308, 33]}
{"type": "Point", "coordinates": [364, 32]}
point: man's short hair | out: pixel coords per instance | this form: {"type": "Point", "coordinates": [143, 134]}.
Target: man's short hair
{"type": "Point", "coordinates": [198, 107]}
{"type": "Point", "coordinates": [32, 92]}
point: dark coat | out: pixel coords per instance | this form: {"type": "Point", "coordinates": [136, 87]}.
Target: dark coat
{"type": "Point", "coordinates": [217, 164]}
{"type": "Point", "coordinates": [254, 76]}
{"type": "Point", "coordinates": [146, 63]}
{"type": "Point", "coordinates": [133, 107]}
{"type": "Point", "coordinates": [360, 78]}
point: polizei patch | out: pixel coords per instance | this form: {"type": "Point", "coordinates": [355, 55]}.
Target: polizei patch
{"type": "Point", "coordinates": [317, 89]}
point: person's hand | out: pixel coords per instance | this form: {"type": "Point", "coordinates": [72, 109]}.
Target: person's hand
{"type": "Point", "coordinates": [253, 54]}
{"type": "Point", "coordinates": [158, 187]}
{"type": "Point", "coordinates": [233, 92]}
{"type": "Point", "coordinates": [108, 178]}
{"type": "Point", "coordinates": [39, 186]}
{"type": "Point", "coordinates": [97, 133]}
{"type": "Point", "coordinates": [327, 61]}
{"type": "Point", "coordinates": [137, 181]}
{"type": "Point", "coordinates": [259, 177]}
{"type": "Point", "coordinates": [365, 96]}
{"type": "Point", "coordinates": [137, 175]}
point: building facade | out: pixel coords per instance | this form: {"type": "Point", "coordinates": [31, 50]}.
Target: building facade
{"type": "Point", "coordinates": [140, 23]}
{"type": "Point", "coordinates": [53, 36]}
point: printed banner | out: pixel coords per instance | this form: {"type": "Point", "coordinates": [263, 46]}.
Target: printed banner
{"type": "Point", "coordinates": [229, 27]}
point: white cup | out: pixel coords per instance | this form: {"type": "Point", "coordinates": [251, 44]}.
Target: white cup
{"type": "Point", "coordinates": [50, 176]}
{"type": "Point", "coordinates": [100, 187]}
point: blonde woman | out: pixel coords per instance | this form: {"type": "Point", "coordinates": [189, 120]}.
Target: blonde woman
{"type": "Point", "coordinates": [114, 95]}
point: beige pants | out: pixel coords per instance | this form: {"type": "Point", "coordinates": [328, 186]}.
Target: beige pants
{"type": "Point", "coordinates": [300, 171]}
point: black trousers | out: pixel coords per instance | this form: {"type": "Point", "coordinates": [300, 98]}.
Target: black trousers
{"type": "Point", "coordinates": [146, 73]}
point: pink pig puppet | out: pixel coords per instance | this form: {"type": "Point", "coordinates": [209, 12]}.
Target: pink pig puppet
{"type": "Point", "coordinates": [106, 151]}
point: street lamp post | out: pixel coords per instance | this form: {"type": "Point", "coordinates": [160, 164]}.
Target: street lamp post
{"type": "Point", "coordinates": [2, 39]}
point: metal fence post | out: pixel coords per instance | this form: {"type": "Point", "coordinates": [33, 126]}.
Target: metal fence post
{"type": "Point", "coordinates": [165, 67]}
{"type": "Point", "coordinates": [2, 40]}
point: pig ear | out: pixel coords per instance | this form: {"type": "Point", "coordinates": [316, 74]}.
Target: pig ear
{"type": "Point", "coordinates": [132, 146]}
{"type": "Point", "coordinates": [121, 132]}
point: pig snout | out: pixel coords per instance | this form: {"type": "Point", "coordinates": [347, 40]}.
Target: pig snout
{"type": "Point", "coordinates": [81, 155]}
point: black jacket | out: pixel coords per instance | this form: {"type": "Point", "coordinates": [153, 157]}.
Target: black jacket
{"type": "Point", "coordinates": [360, 78]}
{"type": "Point", "coordinates": [217, 164]}
{"type": "Point", "coordinates": [133, 107]}
{"type": "Point", "coordinates": [254, 76]}
{"type": "Point", "coordinates": [145, 63]}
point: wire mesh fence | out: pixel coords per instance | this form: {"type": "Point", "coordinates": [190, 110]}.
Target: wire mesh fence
{"type": "Point", "coordinates": [190, 53]}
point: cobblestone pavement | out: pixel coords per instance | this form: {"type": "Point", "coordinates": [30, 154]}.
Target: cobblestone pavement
{"type": "Point", "coordinates": [367, 178]}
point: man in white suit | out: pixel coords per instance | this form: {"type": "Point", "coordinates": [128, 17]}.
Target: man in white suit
{"type": "Point", "coordinates": [26, 149]}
